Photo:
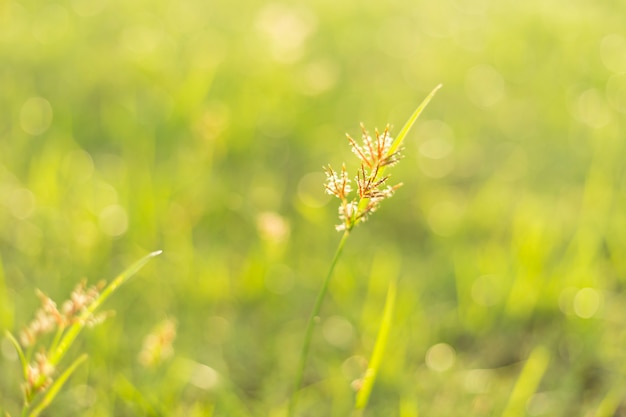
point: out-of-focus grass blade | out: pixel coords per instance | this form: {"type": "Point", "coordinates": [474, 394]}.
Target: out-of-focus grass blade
{"type": "Point", "coordinates": [122, 278]}
{"type": "Point", "coordinates": [138, 402]}
{"type": "Point", "coordinates": [72, 332]}
{"type": "Point", "coordinates": [6, 305]}
{"type": "Point", "coordinates": [527, 382]}
{"type": "Point", "coordinates": [57, 385]}
{"type": "Point", "coordinates": [408, 407]}
{"type": "Point", "coordinates": [609, 404]}
{"type": "Point", "coordinates": [363, 395]}
{"type": "Point", "coordinates": [20, 353]}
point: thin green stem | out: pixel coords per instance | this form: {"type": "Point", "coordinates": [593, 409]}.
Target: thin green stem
{"type": "Point", "coordinates": [57, 385]}
{"type": "Point", "coordinates": [308, 335]}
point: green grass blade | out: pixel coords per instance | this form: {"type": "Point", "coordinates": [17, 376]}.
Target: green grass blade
{"type": "Point", "coordinates": [57, 385]}
{"type": "Point", "coordinates": [135, 399]}
{"type": "Point", "coordinates": [527, 382]}
{"type": "Point", "coordinates": [20, 353]}
{"type": "Point", "coordinates": [74, 329]}
{"type": "Point", "coordinates": [610, 403]}
{"type": "Point", "coordinates": [363, 395]}
{"type": "Point", "coordinates": [7, 310]}
{"type": "Point", "coordinates": [122, 278]}
{"type": "Point", "coordinates": [397, 143]}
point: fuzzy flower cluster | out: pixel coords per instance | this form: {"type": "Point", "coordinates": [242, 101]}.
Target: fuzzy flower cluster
{"type": "Point", "coordinates": [38, 375]}
{"type": "Point", "coordinates": [158, 345]}
{"type": "Point", "coordinates": [49, 318]}
{"type": "Point", "coordinates": [375, 154]}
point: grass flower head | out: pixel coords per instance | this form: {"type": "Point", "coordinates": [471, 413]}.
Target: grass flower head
{"type": "Point", "coordinates": [375, 154]}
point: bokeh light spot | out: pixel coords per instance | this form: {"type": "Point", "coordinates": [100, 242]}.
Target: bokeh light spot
{"type": "Point", "coordinates": [540, 404]}
{"type": "Point", "coordinates": [472, 6]}
{"type": "Point", "coordinates": [437, 147]}
{"type": "Point", "coordinates": [286, 29]}
{"type": "Point", "coordinates": [86, 233]}
{"type": "Point", "coordinates": [436, 151]}
{"type": "Point", "coordinates": [613, 52]}
{"type": "Point", "coordinates": [487, 290]}
{"type": "Point", "coordinates": [484, 86]}
{"type": "Point", "coordinates": [338, 331]}
{"type": "Point", "coordinates": [616, 92]}
{"type": "Point", "coordinates": [113, 220]}
{"type": "Point", "coordinates": [592, 109]}
{"type": "Point", "coordinates": [204, 377]}
{"type": "Point", "coordinates": [318, 77]}
{"type": "Point", "coordinates": [36, 115]}
{"type": "Point", "coordinates": [436, 168]}
{"type": "Point", "coordinates": [566, 300]}
{"type": "Point", "coordinates": [354, 367]}
{"type": "Point", "coordinates": [587, 303]}
{"type": "Point", "coordinates": [78, 166]}
{"type": "Point", "coordinates": [440, 357]}
{"type": "Point", "coordinates": [311, 190]}
{"type": "Point", "coordinates": [272, 227]}
{"type": "Point", "coordinates": [104, 195]}
{"type": "Point", "coordinates": [51, 24]}
{"type": "Point", "coordinates": [21, 202]}
{"type": "Point", "coordinates": [435, 21]}
{"type": "Point", "coordinates": [87, 8]}
{"type": "Point", "coordinates": [84, 396]}
{"type": "Point", "coordinates": [28, 238]}
{"type": "Point", "coordinates": [478, 381]}
{"type": "Point", "coordinates": [444, 217]}
{"type": "Point", "coordinates": [141, 40]}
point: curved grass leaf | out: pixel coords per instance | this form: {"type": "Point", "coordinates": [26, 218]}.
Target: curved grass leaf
{"type": "Point", "coordinates": [57, 385]}
{"type": "Point", "coordinates": [363, 395]}
{"type": "Point", "coordinates": [74, 329]}
{"type": "Point", "coordinates": [528, 381]}
{"type": "Point", "coordinates": [397, 143]}
{"type": "Point", "coordinates": [20, 353]}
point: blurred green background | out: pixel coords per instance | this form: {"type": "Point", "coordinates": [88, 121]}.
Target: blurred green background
{"type": "Point", "coordinates": [200, 128]}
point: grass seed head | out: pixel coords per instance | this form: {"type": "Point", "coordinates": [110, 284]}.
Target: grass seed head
{"type": "Point", "coordinates": [375, 154]}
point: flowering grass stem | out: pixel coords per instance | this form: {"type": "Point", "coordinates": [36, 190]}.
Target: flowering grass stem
{"type": "Point", "coordinates": [375, 153]}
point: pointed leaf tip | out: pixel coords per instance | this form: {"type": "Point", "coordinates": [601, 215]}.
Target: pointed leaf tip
{"type": "Point", "coordinates": [156, 253]}
{"type": "Point", "coordinates": [397, 143]}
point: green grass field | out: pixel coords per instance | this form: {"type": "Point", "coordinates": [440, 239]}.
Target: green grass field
{"type": "Point", "coordinates": [201, 128]}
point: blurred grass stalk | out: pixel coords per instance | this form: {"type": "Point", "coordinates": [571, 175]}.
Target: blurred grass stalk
{"type": "Point", "coordinates": [610, 404]}
{"type": "Point", "coordinates": [378, 164]}
{"type": "Point", "coordinates": [311, 324]}
{"type": "Point", "coordinates": [363, 395]}
{"type": "Point", "coordinates": [35, 382]}
{"type": "Point", "coordinates": [527, 382]}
